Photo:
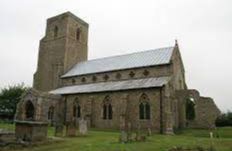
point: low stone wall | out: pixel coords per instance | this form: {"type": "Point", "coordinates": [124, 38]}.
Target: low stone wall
{"type": "Point", "coordinates": [6, 136]}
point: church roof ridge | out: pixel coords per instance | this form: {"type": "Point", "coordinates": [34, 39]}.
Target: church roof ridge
{"type": "Point", "coordinates": [139, 59]}
{"type": "Point", "coordinates": [131, 53]}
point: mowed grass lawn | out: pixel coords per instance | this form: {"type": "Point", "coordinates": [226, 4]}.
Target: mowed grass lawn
{"type": "Point", "coordinates": [108, 141]}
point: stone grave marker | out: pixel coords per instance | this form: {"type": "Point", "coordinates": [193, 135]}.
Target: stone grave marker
{"type": "Point", "coordinates": [83, 130]}
{"type": "Point", "coordinates": [59, 130]}
{"type": "Point", "coordinates": [71, 129]}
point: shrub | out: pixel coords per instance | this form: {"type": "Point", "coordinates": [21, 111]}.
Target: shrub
{"type": "Point", "coordinates": [224, 120]}
{"type": "Point", "coordinates": [9, 97]}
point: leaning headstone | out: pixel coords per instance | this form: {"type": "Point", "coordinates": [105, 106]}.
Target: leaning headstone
{"type": "Point", "coordinates": [71, 129]}
{"type": "Point", "coordinates": [149, 128]}
{"type": "Point", "coordinates": [149, 131]}
{"type": "Point", "coordinates": [138, 133]}
{"type": "Point", "coordinates": [129, 132]}
{"type": "Point", "coordinates": [122, 123]}
{"type": "Point", "coordinates": [123, 137]}
{"type": "Point", "coordinates": [59, 130]}
{"type": "Point", "coordinates": [83, 127]}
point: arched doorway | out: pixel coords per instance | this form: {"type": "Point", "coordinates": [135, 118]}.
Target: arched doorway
{"type": "Point", "coordinates": [29, 110]}
{"type": "Point", "coordinates": [190, 109]}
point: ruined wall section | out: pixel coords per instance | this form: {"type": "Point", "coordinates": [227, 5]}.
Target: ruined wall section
{"type": "Point", "coordinates": [206, 113]}
{"type": "Point", "coordinates": [206, 110]}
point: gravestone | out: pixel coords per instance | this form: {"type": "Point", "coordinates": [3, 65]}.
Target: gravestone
{"type": "Point", "coordinates": [70, 129]}
{"type": "Point", "coordinates": [59, 130]}
{"type": "Point", "coordinates": [149, 126]}
{"type": "Point", "coordinates": [123, 137]}
{"type": "Point", "coordinates": [149, 131]}
{"type": "Point", "coordinates": [83, 127]}
{"type": "Point", "coordinates": [129, 132]}
{"type": "Point", "coordinates": [139, 136]}
{"type": "Point", "coordinates": [138, 133]}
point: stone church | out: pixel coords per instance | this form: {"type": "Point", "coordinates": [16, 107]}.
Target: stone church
{"type": "Point", "coordinates": [145, 89]}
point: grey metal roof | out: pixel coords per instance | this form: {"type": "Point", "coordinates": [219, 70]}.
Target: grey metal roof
{"type": "Point", "coordinates": [113, 86]}
{"type": "Point", "coordinates": [140, 59]}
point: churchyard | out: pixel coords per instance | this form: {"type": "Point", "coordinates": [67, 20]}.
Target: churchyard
{"type": "Point", "coordinates": [99, 140]}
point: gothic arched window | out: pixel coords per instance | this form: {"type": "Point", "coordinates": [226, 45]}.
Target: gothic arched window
{"type": "Point", "coordinates": [78, 33]}
{"type": "Point", "coordinates": [104, 112]}
{"type": "Point", "coordinates": [110, 112]}
{"type": "Point", "coordinates": [147, 109]}
{"type": "Point", "coordinates": [76, 109]}
{"type": "Point", "coordinates": [50, 113]}
{"type": "Point", "coordinates": [107, 109]}
{"type": "Point", "coordinates": [141, 111]}
{"type": "Point", "coordinates": [56, 30]}
{"type": "Point", "coordinates": [144, 107]}
{"type": "Point", "coordinates": [30, 110]}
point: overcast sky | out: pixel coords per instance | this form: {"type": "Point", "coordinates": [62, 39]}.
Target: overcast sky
{"type": "Point", "coordinates": [203, 29]}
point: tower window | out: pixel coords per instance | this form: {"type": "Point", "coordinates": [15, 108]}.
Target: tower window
{"type": "Point", "coordinates": [56, 29]}
{"type": "Point", "coordinates": [78, 33]}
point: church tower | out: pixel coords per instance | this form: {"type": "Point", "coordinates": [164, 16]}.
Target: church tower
{"type": "Point", "coordinates": [64, 44]}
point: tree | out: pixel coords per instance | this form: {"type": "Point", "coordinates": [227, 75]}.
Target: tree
{"type": "Point", "coordinates": [224, 120]}
{"type": "Point", "coordinates": [9, 97]}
